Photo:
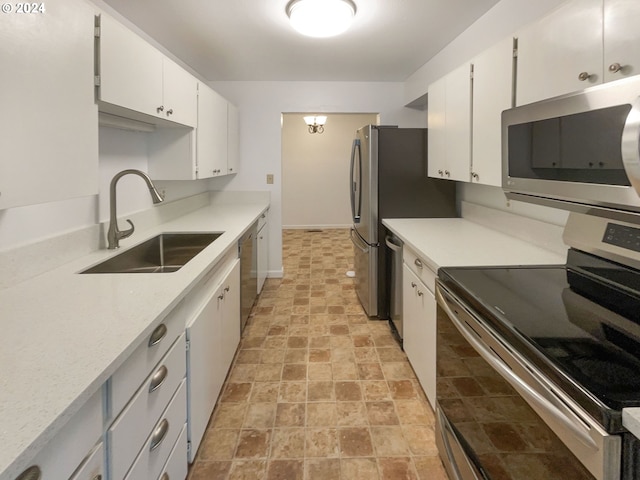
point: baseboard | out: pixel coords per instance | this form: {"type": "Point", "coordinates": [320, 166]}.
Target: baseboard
{"type": "Point", "coordinates": [275, 273]}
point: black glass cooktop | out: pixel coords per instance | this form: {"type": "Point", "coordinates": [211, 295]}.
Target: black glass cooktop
{"type": "Point", "coordinates": [580, 324]}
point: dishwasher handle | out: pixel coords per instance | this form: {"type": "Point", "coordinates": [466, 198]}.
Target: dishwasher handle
{"type": "Point", "coordinates": [389, 241]}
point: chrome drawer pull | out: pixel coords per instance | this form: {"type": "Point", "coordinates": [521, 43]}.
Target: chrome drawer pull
{"type": "Point", "coordinates": [418, 263]}
{"type": "Point", "coordinates": [159, 434]}
{"type": "Point", "coordinates": [158, 378]}
{"type": "Point", "coordinates": [97, 477]}
{"type": "Point", "coordinates": [31, 473]}
{"type": "Point", "coordinates": [158, 334]}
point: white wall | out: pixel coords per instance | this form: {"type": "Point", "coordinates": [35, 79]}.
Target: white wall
{"type": "Point", "coordinates": [260, 106]}
{"type": "Point", "coordinates": [315, 170]}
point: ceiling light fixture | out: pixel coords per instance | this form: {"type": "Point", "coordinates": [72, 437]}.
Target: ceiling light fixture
{"type": "Point", "coordinates": [315, 123]}
{"type": "Point", "coordinates": [321, 18]}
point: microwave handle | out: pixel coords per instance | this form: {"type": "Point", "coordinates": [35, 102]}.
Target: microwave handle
{"type": "Point", "coordinates": [630, 145]}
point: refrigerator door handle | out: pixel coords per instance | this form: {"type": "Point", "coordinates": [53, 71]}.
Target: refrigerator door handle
{"type": "Point", "coordinates": [355, 239]}
{"type": "Point", "coordinates": [355, 185]}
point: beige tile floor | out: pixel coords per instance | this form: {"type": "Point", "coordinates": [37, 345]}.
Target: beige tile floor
{"type": "Point", "coordinates": [317, 390]}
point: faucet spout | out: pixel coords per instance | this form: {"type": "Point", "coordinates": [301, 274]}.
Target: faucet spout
{"type": "Point", "coordinates": [114, 234]}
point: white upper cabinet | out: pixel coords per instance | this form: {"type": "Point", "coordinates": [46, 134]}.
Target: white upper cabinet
{"type": "Point", "coordinates": [211, 143]}
{"type": "Point", "coordinates": [49, 119]}
{"type": "Point", "coordinates": [449, 122]}
{"type": "Point", "coordinates": [581, 44]}
{"type": "Point", "coordinates": [133, 75]}
{"type": "Point", "coordinates": [233, 139]}
{"type": "Point", "coordinates": [621, 34]}
{"type": "Point", "coordinates": [492, 93]}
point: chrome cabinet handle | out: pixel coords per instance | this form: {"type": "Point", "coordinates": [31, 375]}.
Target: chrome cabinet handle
{"type": "Point", "coordinates": [440, 172]}
{"type": "Point", "coordinates": [31, 473]}
{"type": "Point", "coordinates": [160, 109]}
{"type": "Point", "coordinates": [158, 378]}
{"type": "Point", "coordinates": [447, 173]}
{"type": "Point", "coordinates": [230, 169]}
{"type": "Point", "coordinates": [170, 112]}
{"type": "Point", "coordinates": [615, 67]}
{"type": "Point", "coordinates": [221, 297]}
{"type": "Point", "coordinates": [97, 477]}
{"type": "Point", "coordinates": [583, 76]}
{"type": "Point", "coordinates": [158, 334]}
{"type": "Point", "coordinates": [475, 176]}
{"type": "Point", "coordinates": [418, 263]}
{"type": "Point", "coordinates": [420, 293]}
{"type": "Point", "coordinates": [159, 434]}
{"type": "Point", "coordinates": [227, 288]}
{"type": "Point", "coordinates": [413, 285]}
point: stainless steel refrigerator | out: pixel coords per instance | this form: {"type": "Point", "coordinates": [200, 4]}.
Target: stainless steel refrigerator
{"type": "Point", "coordinates": [389, 180]}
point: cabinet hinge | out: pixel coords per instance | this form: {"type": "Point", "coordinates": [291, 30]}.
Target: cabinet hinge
{"type": "Point", "coordinates": [96, 32]}
{"type": "Point", "coordinates": [188, 449]}
{"type": "Point", "coordinates": [515, 52]}
{"type": "Point", "coordinates": [96, 80]}
{"type": "Point", "coordinates": [187, 345]}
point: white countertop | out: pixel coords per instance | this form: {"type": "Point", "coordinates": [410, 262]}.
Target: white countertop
{"type": "Point", "coordinates": [457, 242]}
{"type": "Point", "coordinates": [64, 334]}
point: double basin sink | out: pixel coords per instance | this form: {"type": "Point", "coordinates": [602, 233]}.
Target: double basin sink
{"type": "Point", "coordinates": [164, 253]}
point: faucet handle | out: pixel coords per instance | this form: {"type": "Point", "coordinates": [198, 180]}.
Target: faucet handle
{"type": "Point", "coordinates": [127, 233]}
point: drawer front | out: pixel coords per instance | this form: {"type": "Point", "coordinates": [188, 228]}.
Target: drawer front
{"type": "Point", "coordinates": [176, 466]}
{"type": "Point", "coordinates": [159, 445]}
{"type": "Point", "coordinates": [132, 427]}
{"type": "Point", "coordinates": [127, 379]}
{"type": "Point", "coordinates": [93, 467]}
{"type": "Point", "coordinates": [263, 219]}
{"type": "Point", "coordinates": [420, 267]}
{"type": "Point", "coordinates": [62, 455]}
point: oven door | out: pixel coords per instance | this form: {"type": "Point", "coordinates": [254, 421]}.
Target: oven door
{"type": "Point", "coordinates": [498, 417]}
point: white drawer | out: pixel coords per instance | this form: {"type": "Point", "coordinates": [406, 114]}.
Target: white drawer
{"type": "Point", "coordinates": [420, 267]}
{"type": "Point", "coordinates": [93, 466]}
{"type": "Point", "coordinates": [176, 467]}
{"type": "Point", "coordinates": [164, 435]}
{"type": "Point", "coordinates": [127, 379]}
{"type": "Point", "coordinates": [62, 455]}
{"type": "Point", "coordinates": [132, 427]}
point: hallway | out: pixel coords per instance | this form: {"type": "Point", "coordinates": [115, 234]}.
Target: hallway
{"type": "Point", "coordinates": [317, 390]}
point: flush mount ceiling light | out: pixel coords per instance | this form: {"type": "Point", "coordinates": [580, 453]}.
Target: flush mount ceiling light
{"type": "Point", "coordinates": [321, 18]}
{"type": "Point", "coordinates": [315, 123]}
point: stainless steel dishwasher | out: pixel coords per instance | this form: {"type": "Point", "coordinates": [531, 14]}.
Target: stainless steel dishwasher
{"type": "Point", "coordinates": [395, 282]}
{"type": "Point", "coordinates": [247, 246]}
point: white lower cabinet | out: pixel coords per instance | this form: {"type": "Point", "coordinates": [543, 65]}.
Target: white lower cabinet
{"type": "Point", "coordinates": [213, 335]}
{"type": "Point", "coordinates": [419, 339]}
{"type": "Point", "coordinates": [77, 448]}
{"type": "Point", "coordinates": [158, 447]}
{"type": "Point", "coordinates": [176, 466]}
{"type": "Point", "coordinates": [132, 427]}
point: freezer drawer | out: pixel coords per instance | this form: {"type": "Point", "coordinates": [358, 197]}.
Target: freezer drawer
{"type": "Point", "coordinates": [366, 274]}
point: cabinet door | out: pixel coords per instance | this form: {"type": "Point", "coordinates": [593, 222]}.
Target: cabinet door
{"type": "Point", "coordinates": [180, 94]}
{"type": "Point", "coordinates": [230, 333]}
{"type": "Point", "coordinates": [621, 38]}
{"type": "Point", "coordinates": [419, 339]}
{"type": "Point", "coordinates": [203, 378]}
{"type": "Point", "coordinates": [553, 52]}
{"type": "Point", "coordinates": [437, 123]}
{"type": "Point", "coordinates": [130, 69]}
{"type": "Point", "coordinates": [263, 255]}
{"type": "Point", "coordinates": [211, 142]}
{"type": "Point", "coordinates": [233, 139]}
{"type": "Point", "coordinates": [458, 131]}
{"type": "Point", "coordinates": [49, 120]}
{"type": "Point", "coordinates": [492, 88]}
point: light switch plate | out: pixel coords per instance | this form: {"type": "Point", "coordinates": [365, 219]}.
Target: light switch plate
{"type": "Point", "coordinates": [270, 178]}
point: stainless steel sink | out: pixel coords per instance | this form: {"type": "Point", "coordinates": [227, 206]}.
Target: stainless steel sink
{"type": "Point", "coordinates": [165, 253]}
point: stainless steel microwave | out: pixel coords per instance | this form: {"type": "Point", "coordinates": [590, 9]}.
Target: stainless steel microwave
{"type": "Point", "coordinates": [578, 151]}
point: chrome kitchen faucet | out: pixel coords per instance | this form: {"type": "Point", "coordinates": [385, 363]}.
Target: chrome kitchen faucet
{"type": "Point", "coordinates": [114, 234]}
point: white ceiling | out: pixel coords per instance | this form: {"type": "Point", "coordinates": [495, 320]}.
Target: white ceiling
{"type": "Point", "coordinates": [252, 40]}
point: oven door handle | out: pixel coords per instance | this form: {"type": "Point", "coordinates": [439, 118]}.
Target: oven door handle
{"type": "Point", "coordinates": [630, 145]}
{"type": "Point", "coordinates": [514, 380]}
